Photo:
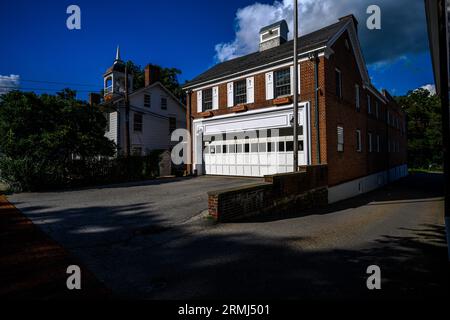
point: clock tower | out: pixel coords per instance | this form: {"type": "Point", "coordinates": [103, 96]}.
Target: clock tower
{"type": "Point", "coordinates": [114, 79]}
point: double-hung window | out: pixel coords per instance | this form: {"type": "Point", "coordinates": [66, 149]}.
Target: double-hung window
{"type": "Point", "coordinates": [357, 98]}
{"type": "Point", "coordinates": [338, 77]}
{"type": "Point", "coordinates": [147, 100]}
{"type": "Point", "coordinates": [340, 139]}
{"type": "Point", "coordinates": [358, 141]}
{"type": "Point", "coordinates": [240, 92]}
{"type": "Point", "coordinates": [282, 83]}
{"type": "Point", "coordinates": [207, 99]}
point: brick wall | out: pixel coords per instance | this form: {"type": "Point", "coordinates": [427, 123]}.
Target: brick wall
{"type": "Point", "coordinates": [279, 193]}
{"type": "Point", "coordinates": [349, 164]}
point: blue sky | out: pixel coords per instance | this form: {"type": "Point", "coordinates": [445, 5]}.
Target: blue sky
{"type": "Point", "coordinates": [192, 36]}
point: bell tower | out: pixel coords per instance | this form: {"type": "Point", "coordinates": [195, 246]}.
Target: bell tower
{"type": "Point", "coordinates": [114, 79]}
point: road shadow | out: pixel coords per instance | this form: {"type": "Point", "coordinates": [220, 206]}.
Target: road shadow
{"type": "Point", "coordinates": [161, 261]}
{"type": "Point", "coordinates": [417, 187]}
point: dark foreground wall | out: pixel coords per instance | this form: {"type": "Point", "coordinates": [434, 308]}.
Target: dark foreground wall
{"type": "Point", "coordinates": [281, 192]}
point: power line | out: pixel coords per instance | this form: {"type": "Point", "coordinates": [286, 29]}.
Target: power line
{"type": "Point", "coordinates": [45, 89]}
{"type": "Point", "coordinates": [64, 83]}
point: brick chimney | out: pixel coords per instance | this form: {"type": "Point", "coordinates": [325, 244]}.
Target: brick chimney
{"type": "Point", "coordinates": [152, 75]}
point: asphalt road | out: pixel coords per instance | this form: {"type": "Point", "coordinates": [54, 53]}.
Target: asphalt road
{"type": "Point", "coordinates": [317, 254]}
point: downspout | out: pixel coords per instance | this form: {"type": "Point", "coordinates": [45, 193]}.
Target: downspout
{"type": "Point", "coordinates": [316, 105]}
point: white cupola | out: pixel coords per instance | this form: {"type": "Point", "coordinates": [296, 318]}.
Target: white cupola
{"type": "Point", "coordinates": [114, 78]}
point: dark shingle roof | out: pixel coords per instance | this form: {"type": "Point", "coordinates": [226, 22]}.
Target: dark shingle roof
{"type": "Point", "coordinates": [307, 42]}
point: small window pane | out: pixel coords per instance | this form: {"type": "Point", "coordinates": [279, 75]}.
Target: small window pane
{"type": "Point", "coordinates": [239, 148]}
{"type": "Point", "coordinates": [224, 148]}
{"type": "Point", "coordinates": [289, 146]}
{"type": "Point", "coordinates": [254, 147]}
{"type": "Point", "coordinates": [281, 146]}
{"type": "Point", "coordinates": [246, 147]}
{"type": "Point", "coordinates": [262, 147]}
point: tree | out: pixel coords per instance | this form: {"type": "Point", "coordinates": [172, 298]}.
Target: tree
{"type": "Point", "coordinates": [44, 133]}
{"type": "Point", "coordinates": [168, 78]}
{"type": "Point", "coordinates": [424, 128]}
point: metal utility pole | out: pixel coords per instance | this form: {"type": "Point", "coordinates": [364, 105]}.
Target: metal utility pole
{"type": "Point", "coordinates": [127, 116]}
{"type": "Point", "coordinates": [295, 84]}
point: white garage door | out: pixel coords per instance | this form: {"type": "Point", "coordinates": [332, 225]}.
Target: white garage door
{"type": "Point", "coordinates": [256, 154]}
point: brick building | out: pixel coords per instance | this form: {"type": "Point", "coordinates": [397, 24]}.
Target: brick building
{"type": "Point", "coordinates": [240, 113]}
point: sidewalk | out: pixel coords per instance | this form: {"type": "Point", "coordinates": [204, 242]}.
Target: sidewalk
{"type": "Point", "coordinates": [33, 266]}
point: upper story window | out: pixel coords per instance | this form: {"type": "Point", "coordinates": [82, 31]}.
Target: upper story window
{"type": "Point", "coordinates": [357, 98]}
{"type": "Point", "coordinates": [207, 99]}
{"type": "Point", "coordinates": [358, 141]}
{"type": "Point", "coordinates": [377, 109]}
{"type": "Point", "coordinates": [369, 141]}
{"type": "Point", "coordinates": [369, 104]}
{"type": "Point", "coordinates": [338, 77]}
{"type": "Point", "coordinates": [282, 82]}
{"type": "Point", "coordinates": [137, 122]}
{"type": "Point", "coordinates": [240, 92]}
{"type": "Point", "coordinates": [147, 100]}
{"type": "Point", "coordinates": [108, 85]}
{"type": "Point", "coordinates": [340, 139]}
{"type": "Point", "coordinates": [164, 103]}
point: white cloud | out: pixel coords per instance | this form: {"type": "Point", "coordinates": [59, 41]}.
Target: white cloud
{"type": "Point", "coordinates": [430, 87]}
{"type": "Point", "coordinates": [403, 30]}
{"type": "Point", "coordinates": [8, 83]}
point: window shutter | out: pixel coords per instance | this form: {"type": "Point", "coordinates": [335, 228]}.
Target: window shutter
{"type": "Point", "coordinates": [269, 85]}
{"type": "Point", "coordinates": [230, 94]}
{"type": "Point", "coordinates": [215, 102]}
{"type": "Point", "coordinates": [199, 101]}
{"type": "Point", "coordinates": [250, 90]}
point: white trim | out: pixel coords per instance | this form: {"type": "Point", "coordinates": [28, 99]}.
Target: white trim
{"type": "Point", "coordinates": [262, 110]}
{"type": "Point", "coordinates": [267, 118]}
{"type": "Point", "coordinates": [242, 74]}
{"type": "Point", "coordinates": [261, 40]}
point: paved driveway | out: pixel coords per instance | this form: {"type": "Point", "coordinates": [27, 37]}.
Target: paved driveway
{"type": "Point", "coordinates": [93, 216]}
{"type": "Point", "coordinates": [321, 253]}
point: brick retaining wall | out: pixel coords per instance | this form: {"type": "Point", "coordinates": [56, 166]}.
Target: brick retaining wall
{"type": "Point", "coordinates": [281, 192]}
